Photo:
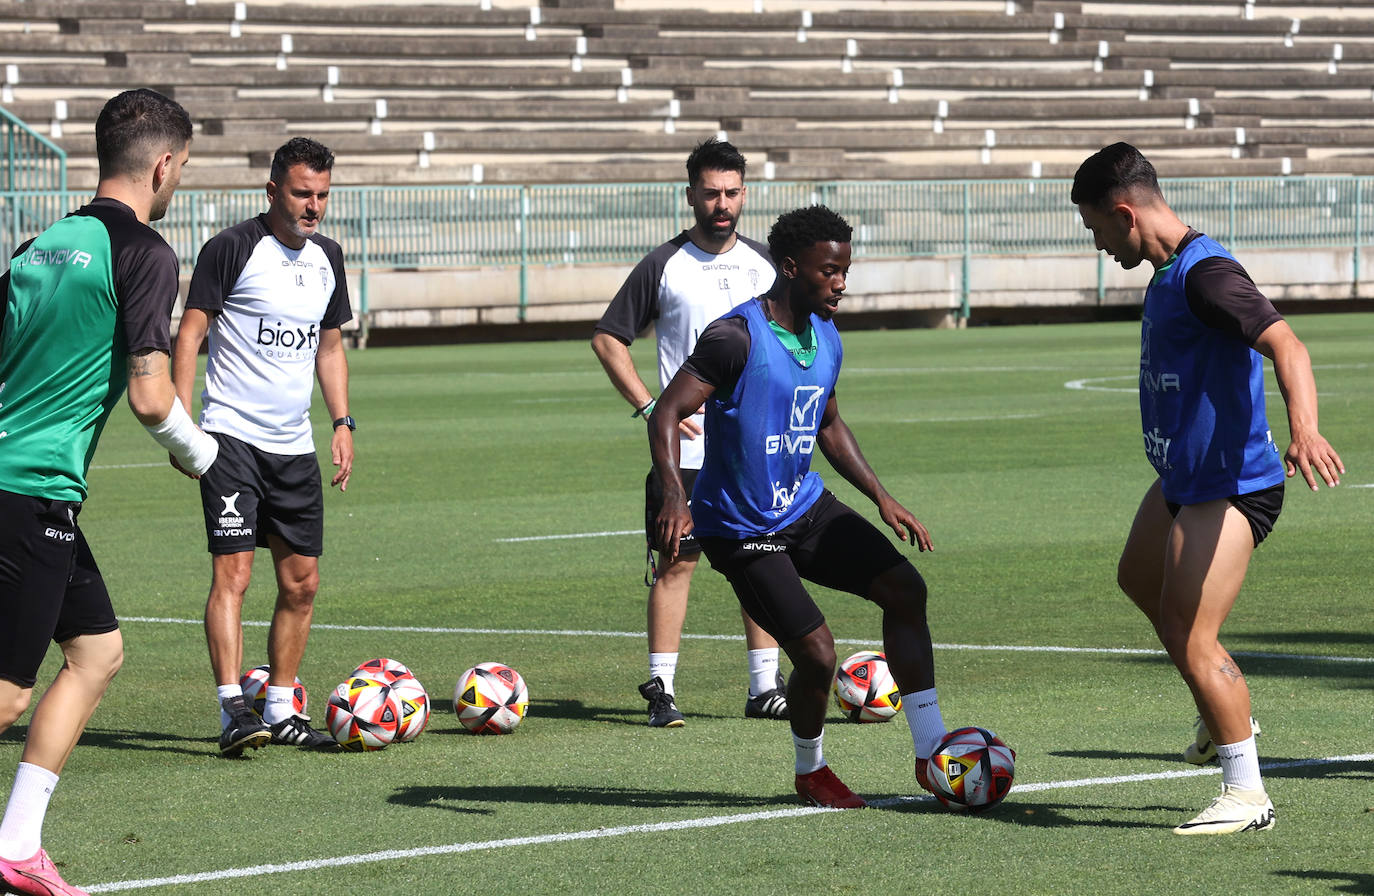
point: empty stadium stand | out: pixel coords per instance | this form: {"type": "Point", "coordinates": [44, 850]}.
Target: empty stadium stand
{"type": "Point", "coordinates": [584, 90]}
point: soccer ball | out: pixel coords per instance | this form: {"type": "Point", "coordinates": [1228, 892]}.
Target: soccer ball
{"type": "Point", "coordinates": [384, 670]}
{"type": "Point", "coordinates": [254, 684]}
{"type": "Point", "coordinates": [971, 769]}
{"type": "Point", "coordinates": [490, 698]}
{"type": "Point", "coordinates": [363, 714]}
{"type": "Point", "coordinates": [414, 707]}
{"type": "Point", "coordinates": [865, 690]}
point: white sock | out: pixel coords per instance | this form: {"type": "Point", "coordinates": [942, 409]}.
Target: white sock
{"type": "Point", "coordinates": [225, 692]}
{"type": "Point", "coordinates": [922, 711]}
{"type": "Point", "coordinates": [810, 756]}
{"type": "Point", "coordinates": [21, 833]}
{"type": "Point", "coordinates": [281, 704]}
{"type": "Point", "coordinates": [664, 666]}
{"type": "Point", "coordinates": [763, 670]}
{"type": "Point", "coordinates": [1240, 764]}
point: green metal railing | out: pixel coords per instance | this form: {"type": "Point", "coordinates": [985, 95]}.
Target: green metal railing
{"type": "Point", "coordinates": [522, 227]}
{"type": "Point", "coordinates": [32, 163]}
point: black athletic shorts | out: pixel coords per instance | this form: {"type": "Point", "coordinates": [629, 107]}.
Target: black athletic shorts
{"type": "Point", "coordinates": [830, 545]}
{"type": "Point", "coordinates": [50, 587]}
{"type": "Point", "coordinates": [249, 494]}
{"type": "Point", "coordinates": [653, 503]}
{"type": "Point", "coordinates": [1261, 509]}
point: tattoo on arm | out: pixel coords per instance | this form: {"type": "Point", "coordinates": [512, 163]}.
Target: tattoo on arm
{"type": "Point", "coordinates": [141, 364]}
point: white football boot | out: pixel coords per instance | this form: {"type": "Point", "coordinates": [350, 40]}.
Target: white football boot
{"type": "Point", "coordinates": [1236, 810]}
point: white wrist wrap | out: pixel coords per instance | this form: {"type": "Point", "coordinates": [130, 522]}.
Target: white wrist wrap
{"type": "Point", "coordinates": [193, 449]}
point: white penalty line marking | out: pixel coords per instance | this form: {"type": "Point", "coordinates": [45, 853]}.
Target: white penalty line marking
{"type": "Point", "coordinates": [714, 821]}
{"type": "Point", "coordinates": [859, 642]}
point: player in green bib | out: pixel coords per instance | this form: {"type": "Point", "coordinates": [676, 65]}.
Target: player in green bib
{"type": "Point", "coordinates": [86, 312]}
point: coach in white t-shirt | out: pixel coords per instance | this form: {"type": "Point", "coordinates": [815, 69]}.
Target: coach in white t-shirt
{"type": "Point", "coordinates": [680, 287]}
{"type": "Point", "coordinates": [270, 293]}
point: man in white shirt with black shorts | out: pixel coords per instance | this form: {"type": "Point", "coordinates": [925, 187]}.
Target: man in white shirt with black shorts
{"type": "Point", "coordinates": [680, 287]}
{"type": "Point", "coordinates": [271, 294]}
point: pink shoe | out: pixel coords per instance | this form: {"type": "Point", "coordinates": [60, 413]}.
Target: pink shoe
{"type": "Point", "coordinates": [822, 788]}
{"type": "Point", "coordinates": [36, 876]}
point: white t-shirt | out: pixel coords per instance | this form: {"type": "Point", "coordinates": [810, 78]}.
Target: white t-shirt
{"type": "Point", "coordinates": [268, 304]}
{"type": "Point", "coordinates": [682, 288]}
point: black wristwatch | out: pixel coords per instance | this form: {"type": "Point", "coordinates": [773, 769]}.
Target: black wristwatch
{"type": "Point", "coordinates": [346, 421]}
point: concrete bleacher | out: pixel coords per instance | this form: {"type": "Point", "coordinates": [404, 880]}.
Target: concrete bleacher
{"type": "Point", "coordinates": [588, 91]}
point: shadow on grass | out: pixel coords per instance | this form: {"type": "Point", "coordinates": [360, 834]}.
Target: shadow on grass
{"type": "Point", "coordinates": [577, 711]}
{"type": "Point", "coordinates": [1343, 881]}
{"type": "Point", "coordinates": [1271, 766]}
{"type": "Point", "coordinates": [158, 741]}
{"type": "Point", "coordinates": [1260, 661]}
{"type": "Point", "coordinates": [476, 799]}
{"type": "Point", "coordinates": [1027, 813]}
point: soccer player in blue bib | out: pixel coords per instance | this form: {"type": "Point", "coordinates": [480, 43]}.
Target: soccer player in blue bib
{"type": "Point", "coordinates": [766, 373]}
{"type": "Point", "coordinates": [1204, 328]}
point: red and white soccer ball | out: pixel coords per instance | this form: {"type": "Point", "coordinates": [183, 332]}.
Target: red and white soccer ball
{"type": "Point", "coordinates": [414, 707]}
{"type": "Point", "coordinates": [490, 698]}
{"type": "Point", "coordinates": [363, 714]}
{"type": "Point", "coordinates": [254, 684]}
{"type": "Point", "coordinates": [865, 690]}
{"type": "Point", "coordinates": [971, 769]}
{"type": "Point", "coordinates": [384, 670]}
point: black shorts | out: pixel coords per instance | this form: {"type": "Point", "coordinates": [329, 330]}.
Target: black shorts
{"type": "Point", "coordinates": [1261, 509]}
{"type": "Point", "coordinates": [653, 503]}
{"type": "Point", "coordinates": [830, 545]}
{"type": "Point", "coordinates": [50, 587]}
{"type": "Point", "coordinates": [249, 494]}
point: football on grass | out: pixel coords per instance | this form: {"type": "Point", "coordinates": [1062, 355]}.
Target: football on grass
{"type": "Point", "coordinates": [384, 670]}
{"type": "Point", "coordinates": [363, 714]}
{"type": "Point", "coordinates": [254, 684]}
{"type": "Point", "coordinates": [490, 698]}
{"type": "Point", "coordinates": [865, 690]}
{"type": "Point", "coordinates": [971, 769]}
{"type": "Point", "coordinates": [414, 707]}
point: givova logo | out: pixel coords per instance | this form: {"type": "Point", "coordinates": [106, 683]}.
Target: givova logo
{"type": "Point", "coordinates": [803, 419]}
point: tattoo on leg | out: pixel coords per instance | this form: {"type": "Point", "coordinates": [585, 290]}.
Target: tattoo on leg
{"type": "Point", "coordinates": [1230, 669]}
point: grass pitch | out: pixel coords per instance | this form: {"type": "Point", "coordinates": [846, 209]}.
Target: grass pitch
{"type": "Point", "coordinates": [475, 529]}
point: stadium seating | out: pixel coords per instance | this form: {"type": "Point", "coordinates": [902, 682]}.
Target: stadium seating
{"type": "Point", "coordinates": [579, 90]}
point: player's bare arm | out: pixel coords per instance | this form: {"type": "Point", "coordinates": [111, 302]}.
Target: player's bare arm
{"type": "Point", "coordinates": [619, 365]}
{"type": "Point", "coordinates": [683, 396]}
{"type": "Point", "coordinates": [195, 324]}
{"type": "Point", "coordinates": [839, 446]}
{"type": "Point", "coordinates": [1308, 450]}
{"type": "Point", "coordinates": [331, 368]}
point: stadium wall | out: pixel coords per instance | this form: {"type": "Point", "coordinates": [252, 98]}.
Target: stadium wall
{"type": "Point", "coordinates": [917, 292]}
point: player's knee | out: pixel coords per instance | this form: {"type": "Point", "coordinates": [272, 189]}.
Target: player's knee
{"type": "Point", "coordinates": [300, 593]}
{"type": "Point", "coordinates": [96, 658]}
{"type": "Point", "coordinates": [813, 656]}
{"type": "Point", "coordinates": [900, 589]}
{"type": "Point", "coordinates": [13, 701]}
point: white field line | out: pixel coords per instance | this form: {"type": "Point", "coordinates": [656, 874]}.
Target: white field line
{"type": "Point", "coordinates": [569, 535]}
{"type": "Point", "coordinates": [859, 642]}
{"type": "Point", "coordinates": [660, 827]}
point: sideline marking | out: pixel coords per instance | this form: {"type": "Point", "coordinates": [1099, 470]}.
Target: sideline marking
{"type": "Point", "coordinates": [128, 466]}
{"type": "Point", "coordinates": [659, 827]}
{"type": "Point", "coordinates": [860, 642]}
{"type": "Point", "coordinates": [570, 535]}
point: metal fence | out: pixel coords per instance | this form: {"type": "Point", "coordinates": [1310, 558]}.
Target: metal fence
{"type": "Point", "coordinates": [384, 228]}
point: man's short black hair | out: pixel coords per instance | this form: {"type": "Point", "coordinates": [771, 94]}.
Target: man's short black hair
{"type": "Point", "coordinates": [1112, 172]}
{"type": "Point", "coordinates": [713, 155]}
{"type": "Point", "coordinates": [134, 128]}
{"type": "Point", "coordinates": [300, 151]}
{"type": "Point", "coordinates": [797, 230]}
